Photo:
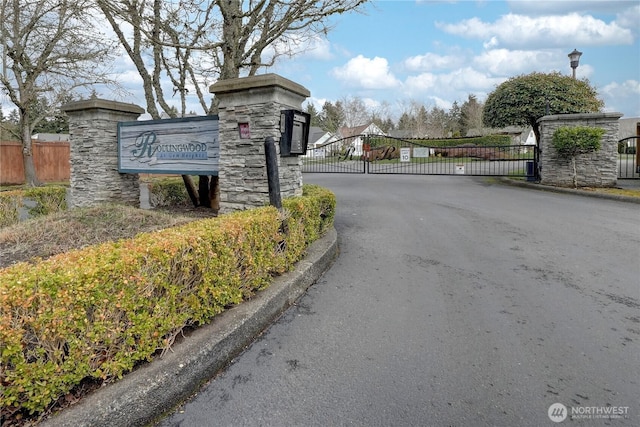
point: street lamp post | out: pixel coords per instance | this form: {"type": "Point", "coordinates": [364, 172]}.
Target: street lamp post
{"type": "Point", "coordinates": [574, 57]}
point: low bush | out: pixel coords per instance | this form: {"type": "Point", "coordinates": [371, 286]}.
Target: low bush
{"type": "Point", "coordinates": [571, 141]}
{"type": "Point", "coordinates": [168, 192]}
{"type": "Point", "coordinates": [98, 311]}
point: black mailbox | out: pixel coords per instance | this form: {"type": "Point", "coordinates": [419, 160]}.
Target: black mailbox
{"type": "Point", "coordinates": [294, 130]}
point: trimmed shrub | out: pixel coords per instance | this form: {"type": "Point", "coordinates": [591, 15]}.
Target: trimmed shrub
{"type": "Point", "coordinates": [97, 312]}
{"type": "Point", "coordinates": [168, 192]}
{"type": "Point", "coordinates": [571, 141]}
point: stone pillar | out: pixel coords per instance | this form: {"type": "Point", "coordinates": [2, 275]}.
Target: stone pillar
{"type": "Point", "coordinates": [596, 169]}
{"type": "Point", "coordinates": [93, 129]}
{"type": "Point", "coordinates": [255, 103]}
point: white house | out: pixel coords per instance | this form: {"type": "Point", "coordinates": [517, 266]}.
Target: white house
{"type": "Point", "coordinates": [357, 132]}
{"type": "Point", "coordinates": [531, 139]}
{"type": "Point", "coordinates": [319, 142]}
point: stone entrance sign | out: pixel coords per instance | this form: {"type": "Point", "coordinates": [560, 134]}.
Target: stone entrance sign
{"type": "Point", "coordinates": [249, 112]}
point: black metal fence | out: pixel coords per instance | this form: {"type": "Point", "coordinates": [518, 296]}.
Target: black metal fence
{"type": "Point", "coordinates": [384, 155]}
{"type": "Point", "coordinates": [629, 158]}
{"type": "Point", "coordinates": [339, 156]}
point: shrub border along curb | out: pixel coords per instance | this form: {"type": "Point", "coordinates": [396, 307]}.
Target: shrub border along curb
{"type": "Point", "coordinates": [143, 395]}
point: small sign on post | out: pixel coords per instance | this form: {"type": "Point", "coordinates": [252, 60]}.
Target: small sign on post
{"type": "Point", "coordinates": [405, 154]}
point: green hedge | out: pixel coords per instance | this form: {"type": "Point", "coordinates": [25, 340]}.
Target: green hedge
{"type": "Point", "coordinates": [482, 141]}
{"type": "Point", "coordinates": [571, 141]}
{"type": "Point", "coordinates": [168, 192]}
{"type": "Point", "coordinates": [96, 312]}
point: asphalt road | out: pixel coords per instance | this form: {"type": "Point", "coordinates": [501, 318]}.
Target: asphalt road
{"type": "Point", "coordinates": [453, 302]}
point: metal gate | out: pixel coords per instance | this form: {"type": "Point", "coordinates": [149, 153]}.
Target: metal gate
{"type": "Point", "coordinates": [629, 158]}
{"type": "Point", "coordinates": [386, 155]}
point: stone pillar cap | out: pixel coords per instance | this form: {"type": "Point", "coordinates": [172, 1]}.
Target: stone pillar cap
{"type": "Point", "coordinates": [101, 104]}
{"type": "Point", "coordinates": [259, 81]}
{"type": "Point", "coordinates": [580, 116]}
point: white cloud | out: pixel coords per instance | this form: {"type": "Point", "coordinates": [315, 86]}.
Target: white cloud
{"type": "Point", "coordinates": [629, 18]}
{"type": "Point", "coordinates": [459, 79]}
{"type": "Point", "coordinates": [432, 61]}
{"type": "Point", "coordinates": [547, 7]}
{"type": "Point", "coordinates": [442, 103]}
{"type": "Point", "coordinates": [370, 103]}
{"type": "Point", "coordinates": [517, 31]}
{"type": "Point", "coordinates": [366, 73]}
{"type": "Point", "coordinates": [129, 77]}
{"type": "Point", "coordinates": [318, 48]}
{"type": "Point", "coordinates": [493, 42]}
{"type": "Point", "coordinates": [503, 62]}
{"type": "Point", "coordinates": [623, 96]}
{"type": "Point", "coordinates": [421, 82]}
{"type": "Point", "coordinates": [451, 86]}
{"type": "Point", "coordinates": [301, 46]}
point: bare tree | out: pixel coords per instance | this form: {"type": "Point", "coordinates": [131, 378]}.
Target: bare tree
{"type": "Point", "coordinates": [250, 28]}
{"type": "Point", "coordinates": [195, 42]}
{"type": "Point", "coordinates": [356, 112]}
{"type": "Point", "coordinates": [414, 119]}
{"type": "Point", "coordinates": [48, 49]}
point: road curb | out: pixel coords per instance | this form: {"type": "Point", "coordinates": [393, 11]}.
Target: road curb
{"type": "Point", "coordinates": [155, 388]}
{"type": "Point", "coordinates": [562, 190]}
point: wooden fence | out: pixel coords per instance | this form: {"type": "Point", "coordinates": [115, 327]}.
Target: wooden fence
{"type": "Point", "coordinates": [51, 162]}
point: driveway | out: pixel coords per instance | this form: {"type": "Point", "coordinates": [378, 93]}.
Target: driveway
{"type": "Point", "coordinates": [453, 302]}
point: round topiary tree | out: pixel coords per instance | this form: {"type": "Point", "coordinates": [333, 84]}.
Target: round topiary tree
{"type": "Point", "coordinates": [522, 100]}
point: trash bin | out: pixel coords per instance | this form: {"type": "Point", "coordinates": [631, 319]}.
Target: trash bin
{"type": "Point", "coordinates": [531, 171]}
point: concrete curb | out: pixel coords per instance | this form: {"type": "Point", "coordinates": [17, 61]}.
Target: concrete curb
{"type": "Point", "coordinates": [155, 388]}
{"type": "Point", "coordinates": [562, 190]}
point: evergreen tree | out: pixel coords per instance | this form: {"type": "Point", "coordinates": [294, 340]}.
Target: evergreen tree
{"type": "Point", "coordinates": [332, 116]}
{"type": "Point", "coordinates": [470, 115]}
{"type": "Point", "coordinates": [313, 112]}
{"type": "Point", "coordinates": [455, 119]}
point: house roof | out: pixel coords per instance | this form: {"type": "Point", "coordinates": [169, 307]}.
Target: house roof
{"type": "Point", "coordinates": [316, 133]}
{"type": "Point", "coordinates": [346, 132]}
{"type": "Point", "coordinates": [366, 129]}
{"type": "Point", "coordinates": [51, 137]}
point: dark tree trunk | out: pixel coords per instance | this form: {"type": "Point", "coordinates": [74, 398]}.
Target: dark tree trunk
{"type": "Point", "coordinates": [191, 189]}
{"type": "Point", "coordinates": [214, 193]}
{"type": "Point", "coordinates": [203, 191]}
{"type": "Point", "coordinates": [30, 176]}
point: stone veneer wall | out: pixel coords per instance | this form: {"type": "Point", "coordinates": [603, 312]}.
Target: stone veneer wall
{"type": "Point", "coordinates": [255, 100]}
{"type": "Point", "coordinates": [93, 127]}
{"type": "Point", "coordinates": [597, 169]}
